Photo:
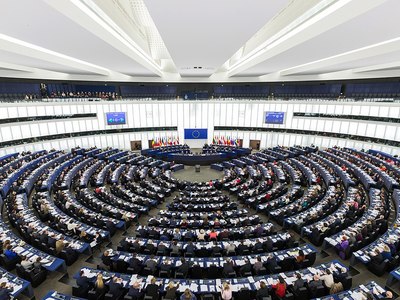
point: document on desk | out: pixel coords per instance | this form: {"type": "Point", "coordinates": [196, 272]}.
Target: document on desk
{"type": "Point", "coordinates": [16, 288]}
{"type": "Point", "coordinates": [203, 288]}
{"type": "Point", "coordinates": [194, 287]}
{"type": "Point", "coordinates": [182, 287]}
{"type": "Point", "coordinates": [250, 279]}
{"type": "Point", "coordinates": [290, 280]}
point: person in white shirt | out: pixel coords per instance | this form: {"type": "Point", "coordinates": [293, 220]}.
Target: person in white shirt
{"type": "Point", "coordinates": [72, 226]}
{"type": "Point", "coordinates": [328, 279]}
{"type": "Point", "coordinates": [25, 263]}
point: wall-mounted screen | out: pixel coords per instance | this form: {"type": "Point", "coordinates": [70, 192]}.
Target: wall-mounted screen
{"type": "Point", "coordinates": [116, 118]}
{"type": "Point", "coordinates": [273, 117]}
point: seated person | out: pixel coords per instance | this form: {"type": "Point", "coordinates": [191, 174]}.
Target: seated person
{"type": "Point", "coordinates": [188, 295]}
{"type": "Point", "coordinates": [10, 254]}
{"type": "Point", "coordinates": [25, 263]}
{"type": "Point", "coordinates": [60, 245]}
{"type": "Point", "coordinates": [82, 281]}
{"type": "Point", "coordinates": [230, 249]}
{"type": "Point", "coordinates": [151, 263]}
{"type": "Point", "coordinates": [213, 235]}
{"type": "Point", "coordinates": [171, 290]}
{"type": "Point", "coordinates": [376, 257]}
{"type": "Point", "coordinates": [300, 258]}
{"type": "Point", "coordinates": [37, 265]}
{"type": "Point", "coordinates": [314, 284]}
{"type": "Point", "coordinates": [5, 291]}
{"type": "Point", "coordinates": [327, 278]}
{"type": "Point", "coordinates": [106, 258]}
{"type": "Point", "coordinates": [228, 268]}
{"type": "Point", "coordinates": [135, 263]}
{"type": "Point", "coordinates": [190, 248]}
{"type": "Point", "coordinates": [184, 267]}
{"type": "Point", "coordinates": [262, 291]}
{"type": "Point", "coordinates": [299, 282]}
{"type": "Point", "coordinates": [153, 289]}
{"type": "Point", "coordinates": [246, 268]}
{"type": "Point", "coordinates": [99, 285]}
{"type": "Point", "coordinates": [216, 249]}
{"type": "Point", "coordinates": [280, 287]}
{"type": "Point", "coordinates": [135, 291]}
{"type": "Point", "coordinates": [201, 236]}
{"type": "Point", "coordinates": [116, 287]}
{"type": "Point", "coordinates": [386, 253]}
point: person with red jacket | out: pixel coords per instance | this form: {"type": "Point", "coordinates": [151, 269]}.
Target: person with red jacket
{"type": "Point", "coordinates": [280, 287]}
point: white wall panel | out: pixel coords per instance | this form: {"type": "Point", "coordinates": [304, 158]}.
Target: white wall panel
{"type": "Point", "coordinates": [12, 112]}
{"type": "Point", "coordinates": [347, 110]}
{"type": "Point", "coordinates": [361, 129]}
{"type": "Point", "coordinates": [26, 131]}
{"type": "Point", "coordinates": [380, 131]}
{"type": "Point", "coordinates": [200, 114]}
{"type": "Point", "coordinates": [394, 112]}
{"type": "Point", "coordinates": [365, 110]}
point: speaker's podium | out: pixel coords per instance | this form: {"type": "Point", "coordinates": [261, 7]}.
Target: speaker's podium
{"type": "Point", "coordinates": [197, 168]}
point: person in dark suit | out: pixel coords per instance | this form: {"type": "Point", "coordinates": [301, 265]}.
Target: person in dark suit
{"type": "Point", "coordinates": [116, 287]}
{"type": "Point", "coordinates": [136, 246]}
{"type": "Point", "coordinates": [262, 291]}
{"type": "Point", "coordinates": [135, 291]}
{"type": "Point", "coordinates": [190, 248]}
{"type": "Point", "coordinates": [135, 263]}
{"type": "Point", "coordinates": [341, 275]}
{"type": "Point", "coordinates": [299, 283]}
{"type": "Point", "coordinates": [153, 289]}
{"type": "Point", "coordinates": [151, 263]}
{"type": "Point", "coordinates": [216, 249]}
{"type": "Point", "coordinates": [271, 263]}
{"type": "Point", "coordinates": [82, 281]}
{"type": "Point", "coordinates": [228, 268]}
{"type": "Point", "coordinates": [166, 265]}
{"type": "Point", "coordinates": [43, 238]}
{"type": "Point", "coordinates": [171, 291]}
{"type": "Point", "coordinates": [377, 257]}
{"type": "Point", "coordinates": [51, 241]}
{"type": "Point", "coordinates": [246, 267]}
{"type": "Point", "coordinates": [314, 284]}
{"type": "Point", "coordinates": [184, 267]}
{"type": "Point", "coordinates": [290, 241]}
{"type": "Point", "coordinates": [106, 258]}
{"type": "Point", "coordinates": [162, 248]}
{"type": "Point", "coordinates": [241, 248]}
{"type": "Point", "coordinates": [5, 291]}
{"type": "Point", "coordinates": [258, 247]}
{"type": "Point", "coordinates": [150, 247]}
{"type": "Point", "coordinates": [269, 245]}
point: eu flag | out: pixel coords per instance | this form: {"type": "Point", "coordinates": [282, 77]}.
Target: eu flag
{"type": "Point", "coordinates": [196, 134]}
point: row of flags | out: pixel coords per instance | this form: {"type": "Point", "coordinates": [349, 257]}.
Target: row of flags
{"type": "Point", "coordinates": [225, 140]}
{"type": "Point", "coordinates": [164, 141]}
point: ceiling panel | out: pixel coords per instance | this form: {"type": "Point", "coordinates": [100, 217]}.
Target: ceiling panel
{"type": "Point", "coordinates": [362, 31]}
{"type": "Point", "coordinates": [22, 60]}
{"type": "Point", "coordinates": [359, 63]}
{"type": "Point", "coordinates": [206, 33]}
{"type": "Point", "coordinates": [41, 25]}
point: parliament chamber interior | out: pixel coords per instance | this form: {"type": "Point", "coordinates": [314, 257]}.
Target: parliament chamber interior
{"type": "Point", "coordinates": [200, 150]}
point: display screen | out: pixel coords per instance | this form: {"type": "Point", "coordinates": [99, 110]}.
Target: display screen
{"type": "Point", "coordinates": [273, 117]}
{"type": "Point", "coordinates": [116, 118]}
